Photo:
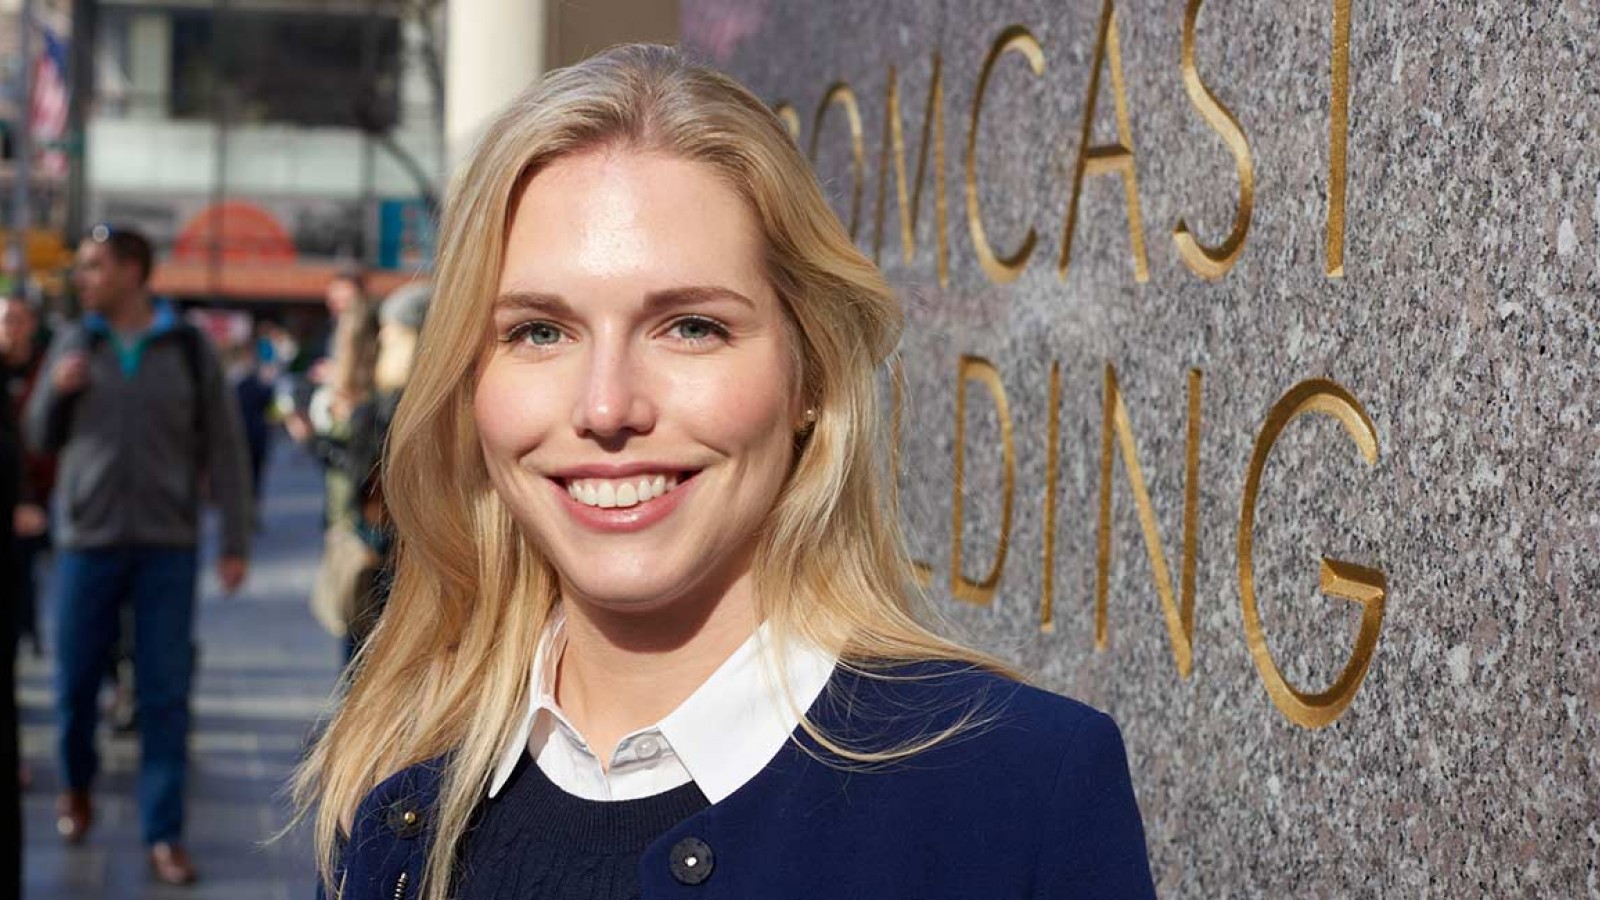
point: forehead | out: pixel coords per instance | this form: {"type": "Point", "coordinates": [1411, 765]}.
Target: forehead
{"type": "Point", "coordinates": [625, 220]}
{"type": "Point", "coordinates": [98, 253]}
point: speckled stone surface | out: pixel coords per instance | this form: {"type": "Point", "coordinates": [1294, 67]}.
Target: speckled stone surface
{"type": "Point", "coordinates": [1467, 324]}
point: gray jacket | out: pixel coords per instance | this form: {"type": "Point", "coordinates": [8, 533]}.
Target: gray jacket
{"type": "Point", "coordinates": [133, 449]}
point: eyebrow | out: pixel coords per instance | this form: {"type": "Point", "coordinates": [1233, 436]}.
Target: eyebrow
{"type": "Point", "coordinates": [687, 296]}
{"type": "Point", "coordinates": [655, 301]}
{"type": "Point", "coordinates": [534, 301]}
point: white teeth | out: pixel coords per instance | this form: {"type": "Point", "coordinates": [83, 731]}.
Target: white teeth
{"type": "Point", "coordinates": [622, 494]}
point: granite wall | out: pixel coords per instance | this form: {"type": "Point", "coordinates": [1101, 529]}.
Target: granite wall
{"type": "Point", "coordinates": [1401, 380]}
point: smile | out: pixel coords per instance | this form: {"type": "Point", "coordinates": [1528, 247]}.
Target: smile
{"type": "Point", "coordinates": [621, 493]}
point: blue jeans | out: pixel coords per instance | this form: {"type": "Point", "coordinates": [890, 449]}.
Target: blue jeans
{"type": "Point", "coordinates": [28, 551]}
{"type": "Point", "coordinates": [159, 583]}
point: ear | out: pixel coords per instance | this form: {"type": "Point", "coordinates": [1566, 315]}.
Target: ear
{"type": "Point", "coordinates": [807, 420]}
{"type": "Point", "coordinates": [803, 409]}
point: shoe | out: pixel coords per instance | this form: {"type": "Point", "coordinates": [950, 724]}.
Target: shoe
{"type": "Point", "coordinates": [73, 815]}
{"type": "Point", "coordinates": [170, 864]}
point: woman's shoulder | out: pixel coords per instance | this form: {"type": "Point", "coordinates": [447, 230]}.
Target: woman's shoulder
{"type": "Point", "coordinates": [400, 805]}
{"type": "Point", "coordinates": [976, 705]}
{"type": "Point", "coordinates": [957, 750]}
{"type": "Point", "coordinates": [389, 833]}
{"type": "Point", "coordinates": [1065, 775]}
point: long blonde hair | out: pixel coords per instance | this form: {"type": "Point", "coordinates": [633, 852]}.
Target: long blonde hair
{"type": "Point", "coordinates": [446, 671]}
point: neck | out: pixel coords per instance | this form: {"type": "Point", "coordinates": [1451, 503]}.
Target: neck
{"type": "Point", "coordinates": [621, 672]}
{"type": "Point", "coordinates": [18, 355]}
{"type": "Point", "coordinates": [132, 315]}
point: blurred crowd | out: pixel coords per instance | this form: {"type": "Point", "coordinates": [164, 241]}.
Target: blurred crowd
{"type": "Point", "coordinates": [122, 423]}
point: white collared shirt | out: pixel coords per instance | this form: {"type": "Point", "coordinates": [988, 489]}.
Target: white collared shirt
{"type": "Point", "coordinates": [719, 738]}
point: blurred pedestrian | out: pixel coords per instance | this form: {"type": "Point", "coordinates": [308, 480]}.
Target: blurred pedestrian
{"type": "Point", "coordinates": [10, 759]}
{"type": "Point", "coordinates": [343, 381]}
{"type": "Point", "coordinates": [343, 291]}
{"type": "Point", "coordinates": [134, 401]}
{"type": "Point", "coordinates": [255, 396]}
{"type": "Point", "coordinates": [401, 317]}
{"type": "Point", "coordinates": [349, 565]}
{"type": "Point", "coordinates": [21, 361]}
{"type": "Point", "coordinates": [346, 292]}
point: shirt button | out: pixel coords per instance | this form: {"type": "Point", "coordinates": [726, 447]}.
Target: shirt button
{"type": "Point", "coordinates": [647, 748]}
{"type": "Point", "coordinates": [691, 861]}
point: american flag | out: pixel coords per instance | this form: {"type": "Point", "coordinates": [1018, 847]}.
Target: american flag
{"type": "Point", "coordinates": [47, 112]}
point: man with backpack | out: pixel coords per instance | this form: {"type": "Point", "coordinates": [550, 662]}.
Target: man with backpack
{"type": "Point", "coordinates": [134, 402]}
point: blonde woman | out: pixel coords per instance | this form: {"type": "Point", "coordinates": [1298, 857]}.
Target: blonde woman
{"type": "Point", "coordinates": [652, 633]}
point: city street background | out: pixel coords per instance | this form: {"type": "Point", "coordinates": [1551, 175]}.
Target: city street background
{"type": "Point", "coordinates": [266, 672]}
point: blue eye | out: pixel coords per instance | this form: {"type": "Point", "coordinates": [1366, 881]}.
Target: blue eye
{"type": "Point", "coordinates": [696, 329]}
{"type": "Point", "coordinates": [539, 334]}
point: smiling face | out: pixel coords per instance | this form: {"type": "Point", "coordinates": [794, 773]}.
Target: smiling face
{"type": "Point", "coordinates": [637, 410]}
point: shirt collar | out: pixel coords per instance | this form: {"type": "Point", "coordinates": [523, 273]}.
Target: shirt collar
{"type": "Point", "coordinates": [727, 730]}
{"type": "Point", "coordinates": [541, 695]}
{"type": "Point", "coordinates": [163, 319]}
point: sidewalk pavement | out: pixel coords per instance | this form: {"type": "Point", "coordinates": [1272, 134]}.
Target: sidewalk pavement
{"type": "Point", "coordinates": [266, 672]}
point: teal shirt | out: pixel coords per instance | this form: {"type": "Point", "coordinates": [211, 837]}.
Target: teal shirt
{"type": "Point", "coordinates": [130, 348]}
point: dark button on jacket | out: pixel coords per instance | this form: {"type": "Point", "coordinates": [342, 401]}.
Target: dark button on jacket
{"type": "Point", "coordinates": [692, 861]}
{"type": "Point", "coordinates": [405, 819]}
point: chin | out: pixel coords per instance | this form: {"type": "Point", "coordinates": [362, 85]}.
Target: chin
{"type": "Point", "coordinates": [639, 583]}
{"type": "Point", "coordinates": [622, 594]}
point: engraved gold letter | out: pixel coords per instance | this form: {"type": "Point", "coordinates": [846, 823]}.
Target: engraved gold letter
{"type": "Point", "coordinates": [1000, 269]}
{"type": "Point", "coordinates": [1180, 622]}
{"type": "Point", "coordinates": [1339, 579]}
{"type": "Point", "coordinates": [897, 382]}
{"type": "Point", "coordinates": [790, 118]}
{"type": "Point", "coordinates": [981, 370]}
{"type": "Point", "coordinates": [1047, 614]}
{"type": "Point", "coordinates": [932, 129]}
{"type": "Point", "coordinates": [1338, 127]}
{"type": "Point", "coordinates": [1107, 158]}
{"type": "Point", "coordinates": [840, 93]}
{"type": "Point", "coordinates": [1208, 262]}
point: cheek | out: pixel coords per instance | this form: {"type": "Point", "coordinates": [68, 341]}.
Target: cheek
{"type": "Point", "coordinates": [509, 414]}
{"type": "Point", "coordinates": [743, 409]}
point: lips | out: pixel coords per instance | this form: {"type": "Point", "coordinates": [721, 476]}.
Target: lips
{"type": "Point", "coordinates": [622, 499]}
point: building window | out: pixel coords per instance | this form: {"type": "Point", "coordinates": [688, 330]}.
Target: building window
{"type": "Point", "coordinates": [286, 67]}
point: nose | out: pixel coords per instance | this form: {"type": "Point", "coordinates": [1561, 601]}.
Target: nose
{"type": "Point", "coordinates": [616, 399]}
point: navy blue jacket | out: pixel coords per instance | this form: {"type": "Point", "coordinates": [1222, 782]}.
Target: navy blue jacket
{"type": "Point", "coordinates": [1031, 799]}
